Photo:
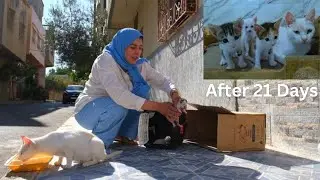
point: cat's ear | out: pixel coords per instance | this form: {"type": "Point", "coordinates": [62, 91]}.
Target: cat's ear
{"type": "Point", "coordinates": [214, 29]}
{"type": "Point", "coordinates": [317, 19]}
{"type": "Point", "coordinates": [311, 15]}
{"type": "Point", "coordinates": [255, 20]}
{"type": "Point", "coordinates": [238, 25]}
{"type": "Point", "coordinates": [290, 18]}
{"type": "Point", "coordinates": [26, 140]}
{"type": "Point", "coordinates": [277, 24]}
{"type": "Point", "coordinates": [258, 28]}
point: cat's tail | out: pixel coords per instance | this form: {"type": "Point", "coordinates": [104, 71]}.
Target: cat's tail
{"type": "Point", "coordinates": [112, 155]}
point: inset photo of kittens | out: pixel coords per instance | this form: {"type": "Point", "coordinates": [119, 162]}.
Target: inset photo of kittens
{"type": "Point", "coordinates": [258, 38]}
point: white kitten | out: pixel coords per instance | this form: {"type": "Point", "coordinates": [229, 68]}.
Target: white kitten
{"type": "Point", "coordinates": [267, 35]}
{"type": "Point", "coordinates": [78, 145]}
{"type": "Point", "coordinates": [295, 36]}
{"type": "Point", "coordinates": [228, 35]}
{"type": "Point", "coordinates": [182, 105]}
{"type": "Point", "coordinates": [248, 34]}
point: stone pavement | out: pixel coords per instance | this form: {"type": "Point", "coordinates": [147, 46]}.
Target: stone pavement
{"type": "Point", "coordinates": [188, 162]}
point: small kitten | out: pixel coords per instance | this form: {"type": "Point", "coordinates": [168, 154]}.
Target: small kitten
{"type": "Point", "coordinates": [295, 36]}
{"type": "Point", "coordinates": [228, 35]}
{"type": "Point", "coordinates": [182, 105]}
{"type": "Point", "coordinates": [77, 145]}
{"type": "Point", "coordinates": [267, 35]}
{"type": "Point", "coordinates": [248, 34]}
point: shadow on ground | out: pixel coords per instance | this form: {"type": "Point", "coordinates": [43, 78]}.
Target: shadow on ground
{"type": "Point", "coordinates": [103, 169]}
{"type": "Point", "coordinates": [274, 158]}
{"type": "Point", "coordinates": [26, 114]}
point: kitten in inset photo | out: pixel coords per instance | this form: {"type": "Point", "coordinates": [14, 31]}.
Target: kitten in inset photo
{"type": "Point", "coordinates": [248, 34]}
{"type": "Point", "coordinates": [267, 35]}
{"type": "Point", "coordinates": [295, 36]}
{"type": "Point", "coordinates": [229, 37]}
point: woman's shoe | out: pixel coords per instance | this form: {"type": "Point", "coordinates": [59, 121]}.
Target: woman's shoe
{"type": "Point", "coordinates": [125, 140]}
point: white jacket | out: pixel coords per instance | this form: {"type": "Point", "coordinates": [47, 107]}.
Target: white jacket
{"type": "Point", "coordinates": [108, 79]}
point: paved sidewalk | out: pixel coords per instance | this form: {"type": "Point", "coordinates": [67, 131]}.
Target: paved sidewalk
{"type": "Point", "coordinates": [188, 162]}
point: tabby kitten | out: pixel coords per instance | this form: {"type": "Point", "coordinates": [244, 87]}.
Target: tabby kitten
{"type": "Point", "coordinates": [267, 35]}
{"type": "Point", "coordinates": [228, 35]}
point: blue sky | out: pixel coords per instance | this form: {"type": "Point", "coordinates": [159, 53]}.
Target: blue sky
{"type": "Point", "coordinates": [47, 4]}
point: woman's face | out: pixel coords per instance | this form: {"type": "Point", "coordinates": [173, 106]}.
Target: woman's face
{"type": "Point", "coordinates": [134, 51]}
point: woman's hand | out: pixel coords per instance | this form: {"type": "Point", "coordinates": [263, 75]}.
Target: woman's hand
{"type": "Point", "coordinates": [169, 111]}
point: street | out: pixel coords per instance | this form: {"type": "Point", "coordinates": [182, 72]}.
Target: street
{"type": "Point", "coordinates": [32, 120]}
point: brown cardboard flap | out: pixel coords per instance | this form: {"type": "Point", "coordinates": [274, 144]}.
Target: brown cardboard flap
{"type": "Point", "coordinates": [215, 109]}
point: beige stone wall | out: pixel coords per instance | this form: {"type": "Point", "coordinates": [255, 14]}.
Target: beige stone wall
{"type": "Point", "coordinates": [291, 121]}
{"type": "Point", "coordinates": [10, 35]}
{"type": "Point", "coordinates": [148, 20]}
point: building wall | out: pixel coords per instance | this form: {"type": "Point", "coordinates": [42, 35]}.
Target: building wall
{"type": "Point", "coordinates": [16, 42]}
{"type": "Point", "coordinates": [2, 5]}
{"type": "Point", "coordinates": [37, 34]}
{"type": "Point", "coordinates": [148, 20]}
{"type": "Point", "coordinates": [290, 123]}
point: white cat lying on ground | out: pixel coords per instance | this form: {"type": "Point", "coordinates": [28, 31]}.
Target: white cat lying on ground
{"type": "Point", "coordinates": [81, 146]}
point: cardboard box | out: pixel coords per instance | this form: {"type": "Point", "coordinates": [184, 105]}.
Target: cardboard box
{"type": "Point", "coordinates": [223, 130]}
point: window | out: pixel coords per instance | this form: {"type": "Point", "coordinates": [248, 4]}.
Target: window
{"type": "Point", "coordinates": [136, 21]}
{"type": "Point", "coordinates": [41, 13]}
{"type": "Point", "coordinates": [34, 36]}
{"type": "Point", "coordinates": [75, 87]}
{"type": "Point", "coordinates": [105, 4]}
{"type": "Point", "coordinates": [98, 4]}
{"type": "Point", "coordinates": [39, 42]}
{"type": "Point", "coordinates": [172, 14]}
{"type": "Point", "coordinates": [42, 46]}
{"type": "Point", "coordinates": [22, 20]}
{"type": "Point", "coordinates": [17, 3]}
{"type": "Point", "coordinates": [10, 18]}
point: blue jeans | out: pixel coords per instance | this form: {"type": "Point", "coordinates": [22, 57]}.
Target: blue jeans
{"type": "Point", "coordinates": [107, 119]}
